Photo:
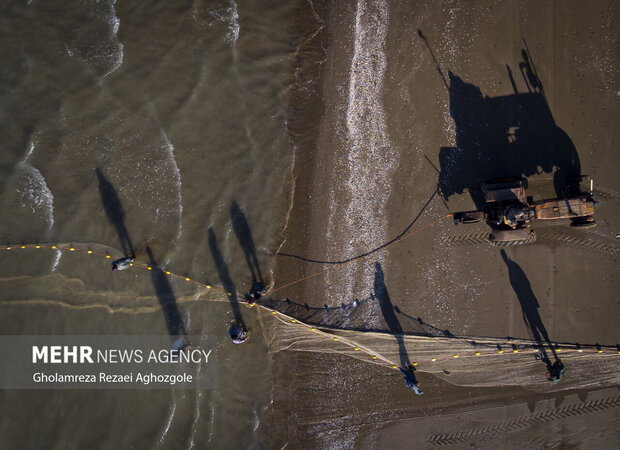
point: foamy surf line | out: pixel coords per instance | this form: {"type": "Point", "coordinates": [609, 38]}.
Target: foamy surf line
{"type": "Point", "coordinates": [36, 195]}
{"type": "Point", "coordinates": [371, 160]}
{"type": "Point", "coordinates": [229, 16]}
{"type": "Point", "coordinates": [177, 183]}
{"type": "Point", "coordinates": [104, 52]}
{"type": "Point", "coordinates": [34, 191]}
{"type": "Point", "coordinates": [116, 58]}
{"type": "Point", "coordinates": [56, 260]}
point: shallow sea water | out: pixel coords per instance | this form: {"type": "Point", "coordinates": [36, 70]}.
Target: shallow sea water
{"type": "Point", "coordinates": [179, 110]}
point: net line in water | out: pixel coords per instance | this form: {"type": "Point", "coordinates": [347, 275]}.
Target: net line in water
{"type": "Point", "coordinates": [461, 360]}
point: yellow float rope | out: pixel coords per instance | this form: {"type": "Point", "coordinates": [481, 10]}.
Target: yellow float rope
{"type": "Point", "coordinates": [527, 347]}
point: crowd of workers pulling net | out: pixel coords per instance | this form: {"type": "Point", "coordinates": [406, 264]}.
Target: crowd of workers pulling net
{"type": "Point", "coordinates": [237, 330]}
{"type": "Point", "coordinates": [376, 347]}
{"type": "Point", "coordinates": [453, 352]}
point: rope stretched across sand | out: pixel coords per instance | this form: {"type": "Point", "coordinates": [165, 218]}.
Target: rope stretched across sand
{"type": "Point", "coordinates": [462, 360]}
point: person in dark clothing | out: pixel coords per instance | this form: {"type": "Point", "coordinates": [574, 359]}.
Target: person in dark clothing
{"type": "Point", "coordinates": [556, 371]}
{"type": "Point", "coordinates": [411, 380]}
{"type": "Point", "coordinates": [123, 263]}
{"type": "Point", "coordinates": [237, 334]}
{"type": "Point", "coordinates": [388, 311]}
{"type": "Point", "coordinates": [256, 292]}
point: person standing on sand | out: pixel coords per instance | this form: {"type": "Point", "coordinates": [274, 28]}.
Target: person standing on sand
{"type": "Point", "coordinates": [123, 263]}
{"type": "Point", "coordinates": [532, 318]}
{"type": "Point", "coordinates": [387, 310]}
{"type": "Point", "coordinates": [237, 334]}
{"type": "Point", "coordinates": [410, 380]}
{"type": "Point", "coordinates": [556, 370]}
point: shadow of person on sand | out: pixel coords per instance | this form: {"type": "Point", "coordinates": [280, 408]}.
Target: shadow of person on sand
{"type": "Point", "coordinates": [531, 316]}
{"type": "Point", "coordinates": [387, 309]}
{"type": "Point", "coordinates": [167, 301]}
{"type": "Point", "coordinates": [242, 230]}
{"type": "Point", "coordinates": [389, 315]}
{"type": "Point", "coordinates": [338, 317]}
{"type": "Point", "coordinates": [224, 275]}
{"type": "Point", "coordinates": [115, 212]}
{"type": "Point", "coordinates": [353, 316]}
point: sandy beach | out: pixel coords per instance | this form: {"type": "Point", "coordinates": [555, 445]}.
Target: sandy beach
{"type": "Point", "coordinates": [311, 153]}
{"type": "Point", "coordinates": [406, 89]}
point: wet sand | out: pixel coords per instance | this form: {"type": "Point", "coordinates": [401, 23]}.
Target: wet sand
{"type": "Point", "coordinates": [563, 287]}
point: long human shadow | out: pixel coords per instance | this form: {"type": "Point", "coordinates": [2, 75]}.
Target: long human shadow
{"type": "Point", "coordinates": [506, 136]}
{"type": "Point", "coordinates": [327, 316]}
{"type": "Point", "coordinates": [166, 297]}
{"type": "Point", "coordinates": [115, 212]}
{"type": "Point", "coordinates": [387, 309]}
{"type": "Point", "coordinates": [224, 275]}
{"type": "Point", "coordinates": [529, 306]}
{"type": "Point", "coordinates": [353, 315]}
{"type": "Point", "coordinates": [374, 250]}
{"type": "Point", "coordinates": [342, 317]}
{"type": "Point", "coordinates": [242, 230]}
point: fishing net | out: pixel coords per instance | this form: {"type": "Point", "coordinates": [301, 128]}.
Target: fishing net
{"type": "Point", "coordinates": [291, 326]}
{"type": "Point", "coordinates": [460, 360]}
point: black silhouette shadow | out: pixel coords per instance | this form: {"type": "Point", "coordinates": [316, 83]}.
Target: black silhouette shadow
{"type": "Point", "coordinates": [528, 72]}
{"type": "Point", "coordinates": [353, 315]}
{"type": "Point", "coordinates": [387, 309]}
{"type": "Point", "coordinates": [167, 299]}
{"type": "Point", "coordinates": [506, 136]}
{"type": "Point", "coordinates": [328, 316]}
{"type": "Point", "coordinates": [432, 53]}
{"type": "Point", "coordinates": [242, 230]}
{"type": "Point", "coordinates": [115, 212]}
{"type": "Point", "coordinates": [529, 306]}
{"type": "Point", "coordinates": [376, 249]}
{"type": "Point", "coordinates": [345, 315]}
{"type": "Point", "coordinates": [227, 283]}
{"type": "Point", "coordinates": [425, 329]}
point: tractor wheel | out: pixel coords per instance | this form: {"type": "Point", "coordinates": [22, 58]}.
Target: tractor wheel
{"type": "Point", "coordinates": [583, 223]}
{"type": "Point", "coordinates": [529, 240]}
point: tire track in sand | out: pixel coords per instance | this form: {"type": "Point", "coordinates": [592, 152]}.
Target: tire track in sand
{"type": "Point", "coordinates": [482, 237]}
{"type": "Point", "coordinates": [547, 415]}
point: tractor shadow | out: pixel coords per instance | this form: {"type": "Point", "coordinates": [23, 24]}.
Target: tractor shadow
{"type": "Point", "coordinates": [505, 136]}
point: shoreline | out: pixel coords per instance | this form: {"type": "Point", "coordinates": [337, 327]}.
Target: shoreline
{"type": "Point", "coordinates": [301, 98]}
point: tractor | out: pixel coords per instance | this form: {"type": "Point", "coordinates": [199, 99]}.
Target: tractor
{"type": "Point", "coordinates": [509, 212]}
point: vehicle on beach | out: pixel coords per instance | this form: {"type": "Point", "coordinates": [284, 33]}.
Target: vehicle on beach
{"type": "Point", "coordinates": [510, 212]}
